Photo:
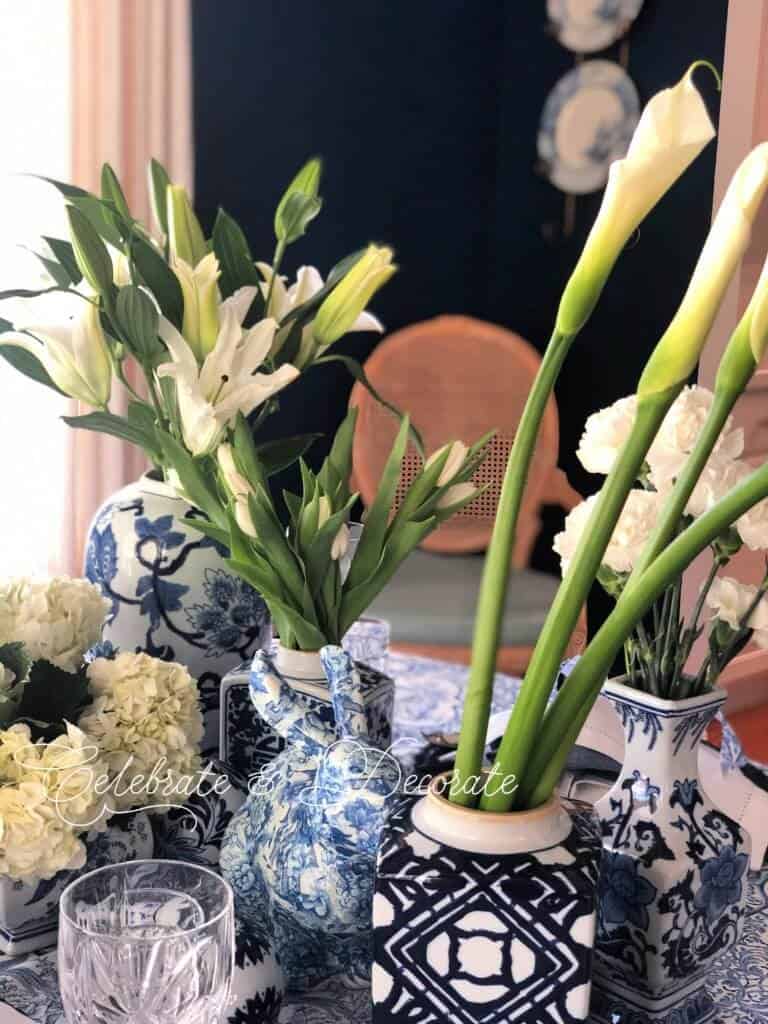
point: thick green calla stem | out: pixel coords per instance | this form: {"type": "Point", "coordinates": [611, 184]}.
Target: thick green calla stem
{"type": "Point", "coordinates": [496, 572]}
{"type": "Point", "coordinates": [523, 727]}
{"type": "Point", "coordinates": [571, 708]}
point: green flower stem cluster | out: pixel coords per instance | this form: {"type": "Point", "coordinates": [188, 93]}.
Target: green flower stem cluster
{"type": "Point", "coordinates": [298, 568]}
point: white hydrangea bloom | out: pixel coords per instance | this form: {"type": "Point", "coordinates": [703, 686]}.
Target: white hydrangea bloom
{"type": "Point", "coordinates": [636, 522]}
{"type": "Point", "coordinates": [57, 619]}
{"type": "Point", "coordinates": [145, 716]}
{"type": "Point", "coordinates": [47, 799]}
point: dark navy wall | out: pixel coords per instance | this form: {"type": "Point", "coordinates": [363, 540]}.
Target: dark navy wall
{"type": "Point", "coordinates": [426, 112]}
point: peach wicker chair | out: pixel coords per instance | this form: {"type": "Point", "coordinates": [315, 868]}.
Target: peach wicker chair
{"type": "Point", "coordinates": [459, 378]}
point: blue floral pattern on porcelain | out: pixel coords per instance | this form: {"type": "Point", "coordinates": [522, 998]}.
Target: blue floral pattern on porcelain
{"type": "Point", "coordinates": [170, 592]}
{"type": "Point", "coordinates": [674, 877]}
{"type": "Point", "coordinates": [300, 854]}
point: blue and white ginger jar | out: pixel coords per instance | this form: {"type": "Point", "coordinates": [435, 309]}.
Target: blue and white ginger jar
{"type": "Point", "coordinates": [171, 593]}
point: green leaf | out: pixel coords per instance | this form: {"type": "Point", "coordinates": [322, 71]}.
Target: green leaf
{"type": "Point", "coordinates": [65, 254]}
{"type": "Point", "coordinates": [25, 362]}
{"type": "Point", "coordinates": [52, 695]}
{"type": "Point", "coordinates": [359, 374]}
{"type": "Point", "coordinates": [158, 192]}
{"type": "Point", "coordinates": [207, 528]}
{"type": "Point", "coordinates": [52, 267]}
{"type": "Point", "coordinates": [247, 453]}
{"type": "Point", "coordinates": [30, 293]}
{"type": "Point", "coordinates": [306, 184]}
{"type": "Point", "coordinates": [112, 192]}
{"type": "Point", "coordinates": [138, 320]}
{"type": "Point", "coordinates": [90, 252]}
{"type": "Point", "coordinates": [159, 278]}
{"type": "Point", "coordinates": [115, 426]}
{"type": "Point", "coordinates": [272, 539]}
{"type": "Point", "coordinates": [275, 456]}
{"type": "Point", "coordinates": [15, 657]}
{"type": "Point", "coordinates": [308, 636]}
{"type": "Point", "coordinates": [193, 479]}
{"type": "Point", "coordinates": [368, 553]}
{"type": "Point", "coordinates": [234, 255]}
{"type": "Point", "coordinates": [299, 211]}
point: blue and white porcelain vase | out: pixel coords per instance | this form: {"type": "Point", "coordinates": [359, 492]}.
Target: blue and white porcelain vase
{"type": "Point", "coordinates": [171, 592]}
{"type": "Point", "coordinates": [248, 740]}
{"type": "Point", "coordinates": [483, 917]}
{"type": "Point", "coordinates": [29, 911]}
{"type": "Point", "coordinates": [300, 854]}
{"type": "Point", "coordinates": [674, 874]}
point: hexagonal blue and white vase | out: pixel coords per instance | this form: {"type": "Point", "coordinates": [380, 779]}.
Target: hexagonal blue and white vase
{"type": "Point", "coordinates": [484, 917]}
{"type": "Point", "coordinates": [674, 874]}
{"type": "Point", "coordinates": [248, 742]}
{"type": "Point", "coordinates": [171, 592]}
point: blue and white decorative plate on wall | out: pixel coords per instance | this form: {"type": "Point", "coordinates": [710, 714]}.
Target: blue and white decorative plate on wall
{"type": "Point", "coordinates": [586, 26]}
{"type": "Point", "coordinates": [587, 123]}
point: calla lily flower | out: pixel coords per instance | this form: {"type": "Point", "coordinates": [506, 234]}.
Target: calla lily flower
{"type": "Point", "coordinates": [199, 286]}
{"type": "Point", "coordinates": [228, 382]}
{"type": "Point", "coordinates": [340, 310]}
{"type": "Point", "coordinates": [75, 355]}
{"type": "Point", "coordinates": [673, 129]}
{"type": "Point", "coordinates": [677, 353]}
{"type": "Point", "coordinates": [285, 299]}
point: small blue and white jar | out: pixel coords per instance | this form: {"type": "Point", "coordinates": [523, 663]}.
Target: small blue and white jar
{"type": "Point", "coordinates": [248, 741]}
{"type": "Point", "coordinates": [484, 917]}
{"type": "Point", "coordinates": [674, 875]}
{"type": "Point", "coordinates": [171, 592]}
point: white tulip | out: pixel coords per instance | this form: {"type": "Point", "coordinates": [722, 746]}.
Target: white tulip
{"type": "Point", "coordinates": [238, 487]}
{"type": "Point", "coordinates": [672, 131]}
{"type": "Point", "coordinates": [676, 355]}
{"type": "Point", "coordinates": [457, 454]}
{"type": "Point", "coordinates": [455, 494]}
{"type": "Point", "coordinates": [75, 355]}
{"type": "Point", "coordinates": [211, 395]}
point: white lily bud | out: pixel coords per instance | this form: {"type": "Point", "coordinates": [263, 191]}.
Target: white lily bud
{"type": "Point", "coordinates": [75, 355]}
{"type": "Point", "coordinates": [454, 462]}
{"type": "Point", "coordinates": [673, 129]}
{"type": "Point", "coordinates": [342, 308]}
{"type": "Point", "coordinates": [199, 286]}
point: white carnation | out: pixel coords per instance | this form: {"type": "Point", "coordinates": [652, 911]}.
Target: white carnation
{"type": "Point", "coordinates": [635, 524]}
{"type": "Point", "coordinates": [753, 525]}
{"type": "Point", "coordinates": [47, 798]}
{"type": "Point", "coordinates": [730, 600]}
{"type": "Point", "coordinates": [56, 619]}
{"type": "Point", "coordinates": [145, 712]}
{"type": "Point", "coordinates": [605, 433]}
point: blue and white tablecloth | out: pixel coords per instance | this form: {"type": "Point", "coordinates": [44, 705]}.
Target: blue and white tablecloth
{"type": "Point", "coordinates": [428, 698]}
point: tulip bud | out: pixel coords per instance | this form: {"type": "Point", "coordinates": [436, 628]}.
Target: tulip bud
{"type": "Point", "coordinates": [456, 494]}
{"type": "Point", "coordinates": [185, 236]}
{"type": "Point", "coordinates": [340, 543]}
{"type": "Point", "coordinates": [675, 357]}
{"type": "Point", "coordinates": [238, 487]}
{"type": "Point", "coordinates": [199, 286]}
{"type": "Point", "coordinates": [352, 294]}
{"type": "Point", "coordinates": [673, 129]}
{"type": "Point", "coordinates": [454, 462]}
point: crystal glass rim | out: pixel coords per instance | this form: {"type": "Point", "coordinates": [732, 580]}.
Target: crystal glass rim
{"type": "Point", "coordinates": [229, 899]}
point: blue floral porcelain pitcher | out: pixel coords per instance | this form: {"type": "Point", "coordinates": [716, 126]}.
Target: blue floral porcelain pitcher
{"type": "Point", "coordinates": [300, 854]}
{"type": "Point", "coordinates": [674, 874]}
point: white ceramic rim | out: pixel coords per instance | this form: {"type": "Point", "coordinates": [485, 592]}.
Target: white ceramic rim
{"type": "Point", "coordinates": [159, 487]}
{"type": "Point", "coordinates": [465, 828]}
{"type": "Point", "coordinates": [614, 687]}
{"type": "Point", "coordinates": [228, 904]}
{"type": "Point", "coordinates": [300, 664]}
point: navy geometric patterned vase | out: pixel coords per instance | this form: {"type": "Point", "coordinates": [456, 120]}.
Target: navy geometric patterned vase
{"type": "Point", "coordinates": [171, 592]}
{"type": "Point", "coordinates": [485, 917]}
{"type": "Point", "coordinates": [247, 741]}
{"type": "Point", "coordinates": [674, 876]}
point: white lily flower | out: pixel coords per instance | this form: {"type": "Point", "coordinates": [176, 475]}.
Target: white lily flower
{"type": "Point", "coordinates": [673, 129]}
{"type": "Point", "coordinates": [199, 286]}
{"type": "Point", "coordinates": [238, 487]}
{"type": "Point", "coordinates": [228, 382]}
{"type": "Point", "coordinates": [74, 354]}
{"type": "Point", "coordinates": [286, 298]}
